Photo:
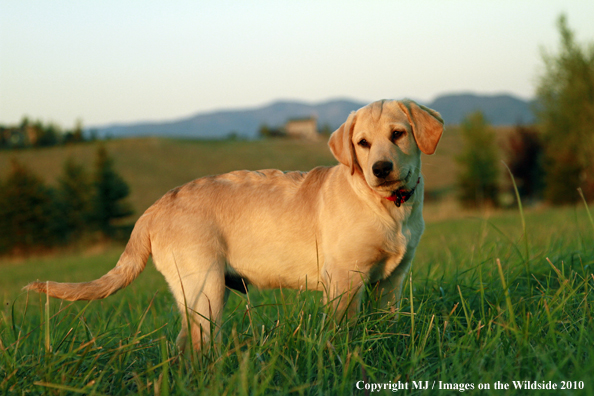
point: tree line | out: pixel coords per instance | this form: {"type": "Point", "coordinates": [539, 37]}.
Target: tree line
{"type": "Point", "coordinates": [39, 134]}
{"type": "Point", "coordinates": [550, 160]}
{"type": "Point", "coordinates": [35, 216]}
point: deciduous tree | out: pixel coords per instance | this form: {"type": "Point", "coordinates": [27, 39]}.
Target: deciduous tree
{"type": "Point", "coordinates": [478, 177]}
{"type": "Point", "coordinates": [566, 116]}
{"type": "Point", "coordinates": [525, 160]}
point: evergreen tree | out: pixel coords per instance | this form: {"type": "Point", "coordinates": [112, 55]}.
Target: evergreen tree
{"type": "Point", "coordinates": [478, 178]}
{"type": "Point", "coordinates": [77, 132]}
{"type": "Point", "coordinates": [566, 116]}
{"type": "Point", "coordinates": [75, 197]}
{"type": "Point", "coordinates": [75, 135]}
{"type": "Point", "coordinates": [29, 213]}
{"type": "Point", "coordinates": [110, 189]}
{"type": "Point", "coordinates": [47, 135]}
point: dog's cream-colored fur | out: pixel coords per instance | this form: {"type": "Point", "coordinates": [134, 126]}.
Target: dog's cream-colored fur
{"type": "Point", "coordinates": [331, 229]}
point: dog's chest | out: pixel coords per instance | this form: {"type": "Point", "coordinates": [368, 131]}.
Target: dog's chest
{"type": "Point", "coordinates": [396, 240]}
{"type": "Point", "coordinates": [390, 254]}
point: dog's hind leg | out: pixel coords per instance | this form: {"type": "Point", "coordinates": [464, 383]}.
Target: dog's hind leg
{"type": "Point", "coordinates": [197, 282]}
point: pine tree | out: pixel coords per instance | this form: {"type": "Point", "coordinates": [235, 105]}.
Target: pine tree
{"type": "Point", "coordinates": [110, 190]}
{"type": "Point", "coordinates": [478, 179]}
{"type": "Point", "coordinates": [75, 197]}
{"type": "Point", "coordinates": [29, 213]}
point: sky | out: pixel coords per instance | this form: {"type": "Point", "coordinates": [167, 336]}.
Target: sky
{"type": "Point", "coordinates": [105, 62]}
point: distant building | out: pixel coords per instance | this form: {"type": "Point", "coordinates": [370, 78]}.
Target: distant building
{"type": "Point", "coordinates": [302, 128]}
{"type": "Point", "coordinates": [32, 134]}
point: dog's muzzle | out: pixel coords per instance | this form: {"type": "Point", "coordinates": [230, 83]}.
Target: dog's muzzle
{"type": "Point", "coordinates": [382, 169]}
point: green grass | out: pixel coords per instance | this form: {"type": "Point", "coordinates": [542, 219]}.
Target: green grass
{"type": "Point", "coordinates": [466, 320]}
{"type": "Point", "coordinates": [489, 300]}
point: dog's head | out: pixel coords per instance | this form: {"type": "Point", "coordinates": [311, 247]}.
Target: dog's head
{"type": "Point", "coordinates": [383, 142]}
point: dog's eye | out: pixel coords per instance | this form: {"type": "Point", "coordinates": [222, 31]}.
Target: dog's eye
{"type": "Point", "coordinates": [364, 143]}
{"type": "Point", "coordinates": [397, 135]}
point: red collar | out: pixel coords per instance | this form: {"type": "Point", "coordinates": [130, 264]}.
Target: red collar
{"type": "Point", "coordinates": [401, 195]}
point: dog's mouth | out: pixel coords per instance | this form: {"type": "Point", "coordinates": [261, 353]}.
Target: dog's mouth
{"type": "Point", "coordinates": [402, 195]}
{"type": "Point", "coordinates": [389, 184]}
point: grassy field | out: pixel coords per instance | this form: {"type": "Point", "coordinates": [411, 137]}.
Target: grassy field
{"type": "Point", "coordinates": [489, 302]}
{"type": "Point", "coordinates": [466, 321]}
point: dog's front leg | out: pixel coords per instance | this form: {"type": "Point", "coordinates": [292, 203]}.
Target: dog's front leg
{"type": "Point", "coordinates": [389, 291]}
{"type": "Point", "coordinates": [343, 288]}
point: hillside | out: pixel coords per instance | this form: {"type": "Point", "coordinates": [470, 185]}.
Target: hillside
{"type": "Point", "coordinates": [499, 110]}
{"type": "Point", "coordinates": [152, 166]}
{"type": "Point", "coordinates": [244, 123]}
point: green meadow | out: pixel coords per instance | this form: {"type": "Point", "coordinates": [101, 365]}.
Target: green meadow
{"type": "Point", "coordinates": [496, 300]}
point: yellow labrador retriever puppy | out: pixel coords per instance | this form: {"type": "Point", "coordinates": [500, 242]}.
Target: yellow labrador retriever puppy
{"type": "Point", "coordinates": [331, 229]}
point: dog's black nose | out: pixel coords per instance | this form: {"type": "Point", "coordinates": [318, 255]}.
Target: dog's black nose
{"type": "Point", "coordinates": [381, 169]}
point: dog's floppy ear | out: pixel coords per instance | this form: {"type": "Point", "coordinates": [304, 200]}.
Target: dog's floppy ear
{"type": "Point", "coordinates": [341, 143]}
{"type": "Point", "coordinates": [427, 125]}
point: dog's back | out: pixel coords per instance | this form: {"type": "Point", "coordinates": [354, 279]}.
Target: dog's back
{"type": "Point", "coordinates": [253, 220]}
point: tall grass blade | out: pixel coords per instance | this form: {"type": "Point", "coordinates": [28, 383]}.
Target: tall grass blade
{"type": "Point", "coordinates": [48, 346]}
{"type": "Point", "coordinates": [412, 314]}
{"type": "Point", "coordinates": [465, 310]}
{"type": "Point", "coordinates": [523, 219]}
{"type": "Point", "coordinates": [586, 206]}
{"type": "Point", "coordinates": [67, 388]}
{"type": "Point", "coordinates": [508, 301]}
{"type": "Point", "coordinates": [165, 360]}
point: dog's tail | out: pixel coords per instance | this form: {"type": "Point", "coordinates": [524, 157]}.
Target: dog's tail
{"type": "Point", "coordinates": [129, 266]}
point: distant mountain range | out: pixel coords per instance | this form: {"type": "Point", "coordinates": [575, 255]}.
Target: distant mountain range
{"type": "Point", "coordinates": [498, 109]}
